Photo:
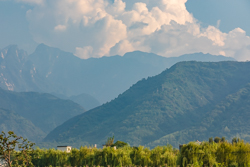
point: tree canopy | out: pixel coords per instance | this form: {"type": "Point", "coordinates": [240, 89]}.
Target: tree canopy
{"type": "Point", "coordinates": [9, 143]}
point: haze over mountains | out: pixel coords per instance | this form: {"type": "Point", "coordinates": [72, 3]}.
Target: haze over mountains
{"type": "Point", "coordinates": [17, 73]}
{"type": "Point", "coordinates": [189, 101]}
{"type": "Point", "coordinates": [61, 73]}
{"type": "Point", "coordinates": [11, 121]}
{"type": "Point", "coordinates": [35, 114]}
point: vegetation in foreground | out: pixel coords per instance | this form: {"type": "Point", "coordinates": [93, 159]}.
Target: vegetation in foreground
{"type": "Point", "coordinates": [216, 152]}
{"type": "Point", "coordinates": [221, 154]}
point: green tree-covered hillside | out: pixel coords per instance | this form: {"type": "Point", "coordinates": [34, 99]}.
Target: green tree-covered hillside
{"type": "Point", "coordinates": [44, 111]}
{"type": "Point", "coordinates": [9, 120]}
{"type": "Point", "coordinates": [230, 118]}
{"type": "Point", "coordinates": [177, 99]}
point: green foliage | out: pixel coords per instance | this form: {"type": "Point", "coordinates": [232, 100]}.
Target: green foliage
{"type": "Point", "coordinates": [215, 154]}
{"type": "Point", "coordinates": [108, 156]}
{"type": "Point", "coordinates": [110, 141]}
{"type": "Point", "coordinates": [217, 139]}
{"type": "Point", "coordinates": [120, 144]}
{"type": "Point", "coordinates": [8, 145]}
{"type": "Point", "coordinates": [210, 140]}
{"type": "Point", "coordinates": [235, 140]}
{"type": "Point", "coordinates": [192, 154]}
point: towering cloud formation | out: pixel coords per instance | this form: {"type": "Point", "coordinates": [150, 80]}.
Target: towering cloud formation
{"type": "Point", "coordinates": [96, 28]}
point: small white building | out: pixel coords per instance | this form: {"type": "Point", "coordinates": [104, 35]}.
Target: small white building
{"type": "Point", "coordinates": [64, 148]}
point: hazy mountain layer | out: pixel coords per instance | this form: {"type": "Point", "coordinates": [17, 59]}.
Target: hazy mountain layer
{"type": "Point", "coordinates": [45, 111]}
{"type": "Point", "coordinates": [19, 74]}
{"type": "Point", "coordinates": [103, 78]}
{"type": "Point", "coordinates": [85, 100]}
{"type": "Point", "coordinates": [177, 99]}
{"type": "Point", "coordinates": [52, 70]}
{"type": "Point", "coordinates": [11, 121]}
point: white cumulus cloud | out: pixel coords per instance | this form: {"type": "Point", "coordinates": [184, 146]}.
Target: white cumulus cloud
{"type": "Point", "coordinates": [96, 28]}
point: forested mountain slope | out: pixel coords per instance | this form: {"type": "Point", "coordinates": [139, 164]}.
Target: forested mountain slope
{"type": "Point", "coordinates": [45, 111]}
{"type": "Point", "coordinates": [177, 99]}
{"type": "Point", "coordinates": [229, 118]}
{"type": "Point", "coordinates": [11, 121]}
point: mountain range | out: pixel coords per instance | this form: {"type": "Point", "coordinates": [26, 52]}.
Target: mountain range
{"type": "Point", "coordinates": [54, 71]}
{"type": "Point", "coordinates": [189, 101]}
{"type": "Point", "coordinates": [162, 107]}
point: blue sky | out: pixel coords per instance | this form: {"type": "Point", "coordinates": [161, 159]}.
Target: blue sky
{"type": "Point", "coordinates": [103, 28]}
{"type": "Point", "coordinates": [232, 13]}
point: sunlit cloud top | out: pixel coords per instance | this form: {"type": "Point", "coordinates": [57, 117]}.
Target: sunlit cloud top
{"type": "Point", "coordinates": [96, 28]}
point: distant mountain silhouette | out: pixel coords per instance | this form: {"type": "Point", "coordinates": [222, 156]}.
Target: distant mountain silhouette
{"type": "Point", "coordinates": [85, 100]}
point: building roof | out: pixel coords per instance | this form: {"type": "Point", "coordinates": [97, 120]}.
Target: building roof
{"type": "Point", "coordinates": [64, 146]}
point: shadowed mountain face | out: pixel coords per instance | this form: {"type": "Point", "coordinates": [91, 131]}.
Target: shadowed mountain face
{"type": "Point", "coordinates": [178, 98]}
{"type": "Point", "coordinates": [37, 110]}
{"type": "Point", "coordinates": [11, 121]}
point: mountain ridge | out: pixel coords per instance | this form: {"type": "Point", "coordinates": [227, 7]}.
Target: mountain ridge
{"type": "Point", "coordinates": [44, 111]}
{"type": "Point", "coordinates": [164, 104]}
{"type": "Point", "coordinates": [50, 70]}
{"type": "Point", "coordinates": [11, 121]}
